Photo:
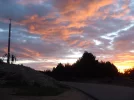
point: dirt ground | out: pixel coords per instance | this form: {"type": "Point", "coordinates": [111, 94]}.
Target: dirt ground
{"type": "Point", "coordinates": [6, 94]}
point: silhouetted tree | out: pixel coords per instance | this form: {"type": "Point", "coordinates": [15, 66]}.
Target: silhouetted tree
{"type": "Point", "coordinates": [59, 68]}
{"type": "Point", "coordinates": [86, 67]}
{"type": "Point", "coordinates": [129, 73]}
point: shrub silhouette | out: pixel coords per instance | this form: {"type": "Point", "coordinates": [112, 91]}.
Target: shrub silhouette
{"type": "Point", "coordinates": [129, 73]}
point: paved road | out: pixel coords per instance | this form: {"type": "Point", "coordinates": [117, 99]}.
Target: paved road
{"type": "Point", "coordinates": [104, 92]}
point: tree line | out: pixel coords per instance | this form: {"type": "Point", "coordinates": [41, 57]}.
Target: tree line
{"type": "Point", "coordinates": [86, 67]}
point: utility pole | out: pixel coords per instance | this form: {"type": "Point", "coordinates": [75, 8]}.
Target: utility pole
{"type": "Point", "coordinates": [8, 56]}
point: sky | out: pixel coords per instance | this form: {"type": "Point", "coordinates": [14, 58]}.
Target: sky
{"type": "Point", "coordinates": [47, 32]}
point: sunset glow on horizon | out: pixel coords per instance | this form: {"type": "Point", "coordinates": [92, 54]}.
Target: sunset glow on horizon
{"type": "Point", "coordinates": [47, 32]}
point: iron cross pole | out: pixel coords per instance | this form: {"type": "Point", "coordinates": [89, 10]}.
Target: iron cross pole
{"type": "Point", "coordinates": [8, 56]}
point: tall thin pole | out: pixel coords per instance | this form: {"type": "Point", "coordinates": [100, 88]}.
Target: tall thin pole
{"type": "Point", "coordinates": [8, 56]}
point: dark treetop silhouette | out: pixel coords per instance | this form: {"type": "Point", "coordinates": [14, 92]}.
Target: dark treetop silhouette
{"type": "Point", "coordinates": [86, 67]}
{"type": "Point", "coordinates": [129, 73]}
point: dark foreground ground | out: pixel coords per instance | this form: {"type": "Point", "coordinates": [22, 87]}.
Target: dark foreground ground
{"type": "Point", "coordinates": [77, 91]}
{"type": "Point", "coordinates": [71, 94]}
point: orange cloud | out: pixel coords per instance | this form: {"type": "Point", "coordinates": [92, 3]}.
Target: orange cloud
{"type": "Point", "coordinates": [32, 52]}
{"type": "Point", "coordinates": [84, 44]}
{"type": "Point", "coordinates": [5, 50]}
{"type": "Point", "coordinates": [39, 25]}
{"type": "Point", "coordinates": [123, 11]}
{"type": "Point", "coordinates": [73, 12]}
{"type": "Point", "coordinates": [121, 14]}
{"type": "Point", "coordinates": [81, 9]}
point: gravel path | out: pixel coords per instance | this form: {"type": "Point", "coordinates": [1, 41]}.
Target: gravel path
{"type": "Point", "coordinates": [104, 92]}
